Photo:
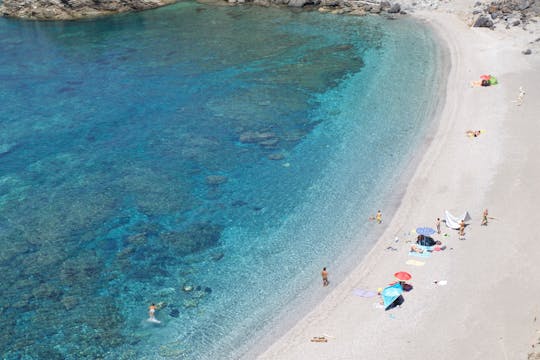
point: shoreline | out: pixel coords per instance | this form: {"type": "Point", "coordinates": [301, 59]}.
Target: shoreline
{"type": "Point", "coordinates": [396, 187]}
{"type": "Point", "coordinates": [355, 329]}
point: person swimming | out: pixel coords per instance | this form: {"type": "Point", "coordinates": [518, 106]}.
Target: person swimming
{"type": "Point", "coordinates": [152, 314]}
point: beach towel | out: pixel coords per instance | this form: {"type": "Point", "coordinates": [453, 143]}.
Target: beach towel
{"type": "Point", "coordinates": [425, 254]}
{"type": "Point", "coordinates": [453, 221]}
{"type": "Point", "coordinates": [390, 294]}
{"type": "Point", "coordinates": [364, 293]}
{"type": "Point", "coordinates": [415, 263]}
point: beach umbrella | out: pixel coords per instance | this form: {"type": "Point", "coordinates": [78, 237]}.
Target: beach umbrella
{"type": "Point", "coordinates": [485, 77]}
{"type": "Point", "coordinates": [391, 293]}
{"type": "Point", "coordinates": [403, 276]}
{"type": "Point", "coordinates": [426, 231]}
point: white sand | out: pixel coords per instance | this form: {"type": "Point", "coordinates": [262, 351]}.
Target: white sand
{"type": "Point", "coordinates": [487, 308]}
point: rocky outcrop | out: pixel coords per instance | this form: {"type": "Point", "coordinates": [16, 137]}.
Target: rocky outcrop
{"type": "Point", "coordinates": [73, 9]}
{"type": "Point", "coordinates": [508, 13]}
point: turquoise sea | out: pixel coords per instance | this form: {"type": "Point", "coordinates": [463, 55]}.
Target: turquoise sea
{"type": "Point", "coordinates": [209, 159]}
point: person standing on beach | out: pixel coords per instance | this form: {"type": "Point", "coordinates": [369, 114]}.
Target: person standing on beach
{"type": "Point", "coordinates": [324, 275]}
{"type": "Point", "coordinates": [438, 225]}
{"type": "Point", "coordinates": [462, 228]}
{"type": "Point", "coordinates": [378, 217]}
{"type": "Point", "coordinates": [484, 217]}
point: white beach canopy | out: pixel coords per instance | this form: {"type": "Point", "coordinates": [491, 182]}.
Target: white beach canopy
{"type": "Point", "coordinates": [453, 221]}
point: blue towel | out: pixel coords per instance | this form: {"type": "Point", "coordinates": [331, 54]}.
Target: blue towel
{"type": "Point", "coordinates": [425, 254]}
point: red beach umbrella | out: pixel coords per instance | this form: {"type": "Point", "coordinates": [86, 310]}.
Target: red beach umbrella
{"type": "Point", "coordinates": [403, 276]}
{"type": "Point", "coordinates": [485, 77]}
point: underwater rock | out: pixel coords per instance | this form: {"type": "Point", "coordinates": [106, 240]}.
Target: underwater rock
{"type": "Point", "coordinates": [161, 305]}
{"type": "Point", "coordinates": [196, 237]}
{"type": "Point", "coordinates": [70, 302]}
{"type": "Point", "coordinates": [217, 256]}
{"type": "Point", "coordinates": [207, 290]}
{"type": "Point", "coordinates": [276, 156]}
{"type": "Point", "coordinates": [137, 239]}
{"type": "Point", "coordinates": [191, 303]}
{"type": "Point", "coordinates": [239, 203]}
{"type": "Point", "coordinates": [249, 137]}
{"type": "Point", "coordinates": [166, 292]}
{"type": "Point", "coordinates": [216, 179]}
{"type": "Point", "coordinates": [172, 350]}
{"type": "Point", "coordinates": [270, 142]}
{"type": "Point", "coordinates": [47, 291]}
{"type": "Point", "coordinates": [174, 313]}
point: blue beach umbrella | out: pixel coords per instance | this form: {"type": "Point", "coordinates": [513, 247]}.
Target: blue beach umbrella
{"type": "Point", "coordinates": [426, 231]}
{"type": "Point", "coordinates": [391, 293]}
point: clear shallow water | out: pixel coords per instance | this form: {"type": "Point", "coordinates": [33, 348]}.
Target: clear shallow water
{"type": "Point", "coordinates": [233, 150]}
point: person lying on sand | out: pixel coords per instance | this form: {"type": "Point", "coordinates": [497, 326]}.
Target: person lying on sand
{"type": "Point", "coordinates": [473, 133]}
{"type": "Point", "coordinates": [417, 249]}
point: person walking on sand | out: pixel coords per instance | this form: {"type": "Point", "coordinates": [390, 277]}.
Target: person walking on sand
{"type": "Point", "coordinates": [462, 228]}
{"type": "Point", "coordinates": [378, 217]}
{"type": "Point", "coordinates": [484, 217]}
{"type": "Point", "coordinates": [324, 275]}
{"type": "Point", "coordinates": [438, 225]}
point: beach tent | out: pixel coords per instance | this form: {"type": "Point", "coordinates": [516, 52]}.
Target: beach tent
{"type": "Point", "coordinates": [453, 221]}
{"type": "Point", "coordinates": [390, 294]}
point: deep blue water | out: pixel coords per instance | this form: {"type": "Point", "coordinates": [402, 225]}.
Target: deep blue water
{"type": "Point", "coordinates": [228, 151]}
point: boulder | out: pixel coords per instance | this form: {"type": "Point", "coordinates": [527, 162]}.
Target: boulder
{"type": "Point", "coordinates": [523, 4]}
{"type": "Point", "coordinates": [483, 21]}
{"type": "Point", "coordinates": [297, 3]}
{"type": "Point", "coordinates": [527, 52]}
{"type": "Point", "coordinates": [396, 8]}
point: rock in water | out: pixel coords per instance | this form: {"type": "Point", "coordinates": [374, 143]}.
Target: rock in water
{"type": "Point", "coordinates": [174, 313]}
{"type": "Point", "coordinates": [73, 9]}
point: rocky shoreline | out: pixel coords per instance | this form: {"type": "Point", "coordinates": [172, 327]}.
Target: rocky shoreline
{"type": "Point", "coordinates": [74, 9]}
{"type": "Point", "coordinates": [490, 14]}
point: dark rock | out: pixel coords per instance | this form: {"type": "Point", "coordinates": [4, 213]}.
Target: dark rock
{"type": "Point", "coordinates": [478, 3]}
{"type": "Point", "coordinates": [476, 12]}
{"type": "Point", "coordinates": [527, 52]}
{"type": "Point", "coordinates": [396, 8]}
{"type": "Point", "coordinates": [516, 23]}
{"type": "Point", "coordinates": [483, 21]}
{"type": "Point", "coordinates": [174, 313]}
{"type": "Point", "coordinates": [207, 290]}
{"type": "Point", "coordinates": [385, 5]}
{"type": "Point", "coordinates": [494, 15]}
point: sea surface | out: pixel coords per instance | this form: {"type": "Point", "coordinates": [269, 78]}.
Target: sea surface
{"type": "Point", "coordinates": [207, 159]}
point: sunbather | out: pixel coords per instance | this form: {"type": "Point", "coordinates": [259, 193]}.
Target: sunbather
{"type": "Point", "coordinates": [473, 133]}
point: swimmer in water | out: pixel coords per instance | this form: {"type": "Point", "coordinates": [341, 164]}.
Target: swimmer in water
{"type": "Point", "coordinates": [152, 313]}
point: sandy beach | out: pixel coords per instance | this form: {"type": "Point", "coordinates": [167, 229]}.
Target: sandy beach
{"type": "Point", "coordinates": [489, 307]}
